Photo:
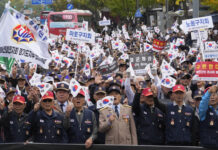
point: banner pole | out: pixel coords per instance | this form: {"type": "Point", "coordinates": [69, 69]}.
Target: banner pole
{"type": "Point", "coordinates": [201, 44]}
{"type": "Point", "coordinates": [77, 58]}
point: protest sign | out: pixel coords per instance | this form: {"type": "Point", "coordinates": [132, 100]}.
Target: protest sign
{"type": "Point", "coordinates": [203, 33]}
{"type": "Point", "coordinates": [211, 50]}
{"type": "Point", "coordinates": [206, 71]}
{"type": "Point", "coordinates": [197, 23]}
{"type": "Point", "coordinates": [79, 35]}
{"type": "Point", "coordinates": [210, 54]}
{"type": "Point", "coordinates": [140, 61]}
{"type": "Point", "coordinates": [109, 68]}
{"type": "Point", "coordinates": [158, 45]}
{"type": "Point", "coordinates": [104, 22]}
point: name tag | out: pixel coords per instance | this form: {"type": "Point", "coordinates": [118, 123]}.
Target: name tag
{"type": "Point", "coordinates": [42, 121]}
{"type": "Point", "coordinates": [211, 114]}
{"type": "Point", "coordinates": [187, 114]}
{"type": "Point", "coordinates": [58, 121]}
{"type": "Point", "coordinates": [172, 113]}
{"type": "Point", "coordinates": [11, 122]}
{"type": "Point", "coordinates": [88, 122]}
{"type": "Point", "coordinates": [160, 115]}
{"type": "Point", "coordinates": [71, 120]}
{"type": "Point", "coordinates": [145, 113]}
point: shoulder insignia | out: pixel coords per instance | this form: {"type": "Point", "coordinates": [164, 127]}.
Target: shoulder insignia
{"type": "Point", "coordinates": [103, 108]}
{"type": "Point", "coordinates": [127, 106]}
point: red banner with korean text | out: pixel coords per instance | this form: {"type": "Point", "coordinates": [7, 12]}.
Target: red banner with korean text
{"type": "Point", "coordinates": [158, 45]}
{"type": "Point", "coordinates": [206, 71]}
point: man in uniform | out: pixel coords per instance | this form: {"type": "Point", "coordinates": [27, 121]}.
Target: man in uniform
{"type": "Point", "coordinates": [148, 118]}
{"type": "Point", "coordinates": [209, 118]}
{"type": "Point", "coordinates": [80, 122]}
{"type": "Point", "coordinates": [13, 121]}
{"type": "Point", "coordinates": [180, 122]}
{"type": "Point", "coordinates": [10, 92]}
{"type": "Point", "coordinates": [45, 124]}
{"type": "Point", "coordinates": [99, 93]}
{"type": "Point", "coordinates": [62, 95]}
{"type": "Point", "coordinates": [117, 122]}
{"type": "Point", "coordinates": [21, 85]}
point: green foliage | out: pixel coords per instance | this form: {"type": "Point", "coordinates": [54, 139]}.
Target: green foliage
{"type": "Point", "coordinates": [213, 4]}
{"type": "Point", "coordinates": [2, 5]}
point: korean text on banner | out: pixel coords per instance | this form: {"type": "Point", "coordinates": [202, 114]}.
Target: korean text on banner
{"type": "Point", "coordinates": [158, 45]}
{"type": "Point", "coordinates": [211, 50]}
{"type": "Point", "coordinates": [104, 22]}
{"type": "Point", "coordinates": [78, 35]}
{"type": "Point", "coordinates": [140, 61]}
{"type": "Point", "coordinates": [22, 39]}
{"type": "Point", "coordinates": [207, 71]}
{"type": "Point", "coordinates": [197, 23]}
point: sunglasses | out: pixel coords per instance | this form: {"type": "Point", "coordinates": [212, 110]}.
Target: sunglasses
{"type": "Point", "coordinates": [47, 100]}
{"type": "Point", "coordinates": [198, 99]}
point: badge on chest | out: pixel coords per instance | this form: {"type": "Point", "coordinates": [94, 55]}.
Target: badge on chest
{"type": "Point", "coordinates": [125, 118]}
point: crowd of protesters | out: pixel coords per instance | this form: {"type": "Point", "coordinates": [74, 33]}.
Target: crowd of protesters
{"type": "Point", "coordinates": [145, 110]}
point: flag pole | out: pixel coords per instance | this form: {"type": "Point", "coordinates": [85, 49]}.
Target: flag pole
{"type": "Point", "coordinates": [76, 63]}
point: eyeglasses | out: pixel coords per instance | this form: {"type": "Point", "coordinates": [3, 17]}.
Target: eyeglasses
{"type": "Point", "coordinates": [47, 100]}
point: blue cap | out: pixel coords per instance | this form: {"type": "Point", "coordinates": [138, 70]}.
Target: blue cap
{"type": "Point", "coordinates": [21, 77]}
{"type": "Point", "coordinates": [115, 82]}
{"type": "Point", "coordinates": [2, 77]}
{"type": "Point", "coordinates": [198, 93]}
{"type": "Point", "coordinates": [114, 88]}
{"type": "Point", "coordinates": [62, 86]}
{"type": "Point", "coordinates": [10, 90]}
{"type": "Point", "coordinates": [100, 89]}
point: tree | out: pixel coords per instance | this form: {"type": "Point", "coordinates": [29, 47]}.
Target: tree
{"type": "Point", "coordinates": [2, 5]}
{"type": "Point", "coordinates": [123, 8]}
{"type": "Point", "coordinates": [213, 4]}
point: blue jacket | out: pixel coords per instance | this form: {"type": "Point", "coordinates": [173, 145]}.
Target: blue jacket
{"type": "Point", "coordinates": [179, 125]}
{"type": "Point", "coordinates": [208, 123]}
{"type": "Point", "coordinates": [45, 128]}
{"type": "Point", "coordinates": [15, 129]}
{"type": "Point", "coordinates": [80, 133]}
{"type": "Point", "coordinates": [150, 126]}
{"type": "Point", "coordinates": [149, 123]}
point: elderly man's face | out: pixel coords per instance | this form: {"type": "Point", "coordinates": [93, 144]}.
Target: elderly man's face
{"type": "Point", "coordinates": [62, 96]}
{"type": "Point", "coordinates": [21, 83]}
{"type": "Point", "coordinates": [213, 99]}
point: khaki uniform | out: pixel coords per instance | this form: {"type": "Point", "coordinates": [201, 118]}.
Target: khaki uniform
{"type": "Point", "coordinates": [188, 96]}
{"type": "Point", "coordinates": [122, 130]}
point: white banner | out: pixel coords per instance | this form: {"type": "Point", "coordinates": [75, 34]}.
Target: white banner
{"type": "Point", "coordinates": [22, 39]}
{"type": "Point", "coordinates": [195, 35]}
{"type": "Point", "coordinates": [78, 35]}
{"type": "Point", "coordinates": [197, 23]}
{"type": "Point", "coordinates": [210, 54]}
{"type": "Point", "coordinates": [104, 22]}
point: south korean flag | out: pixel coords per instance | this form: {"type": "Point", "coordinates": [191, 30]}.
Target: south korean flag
{"type": "Point", "coordinates": [168, 82]}
{"type": "Point", "coordinates": [105, 102]}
